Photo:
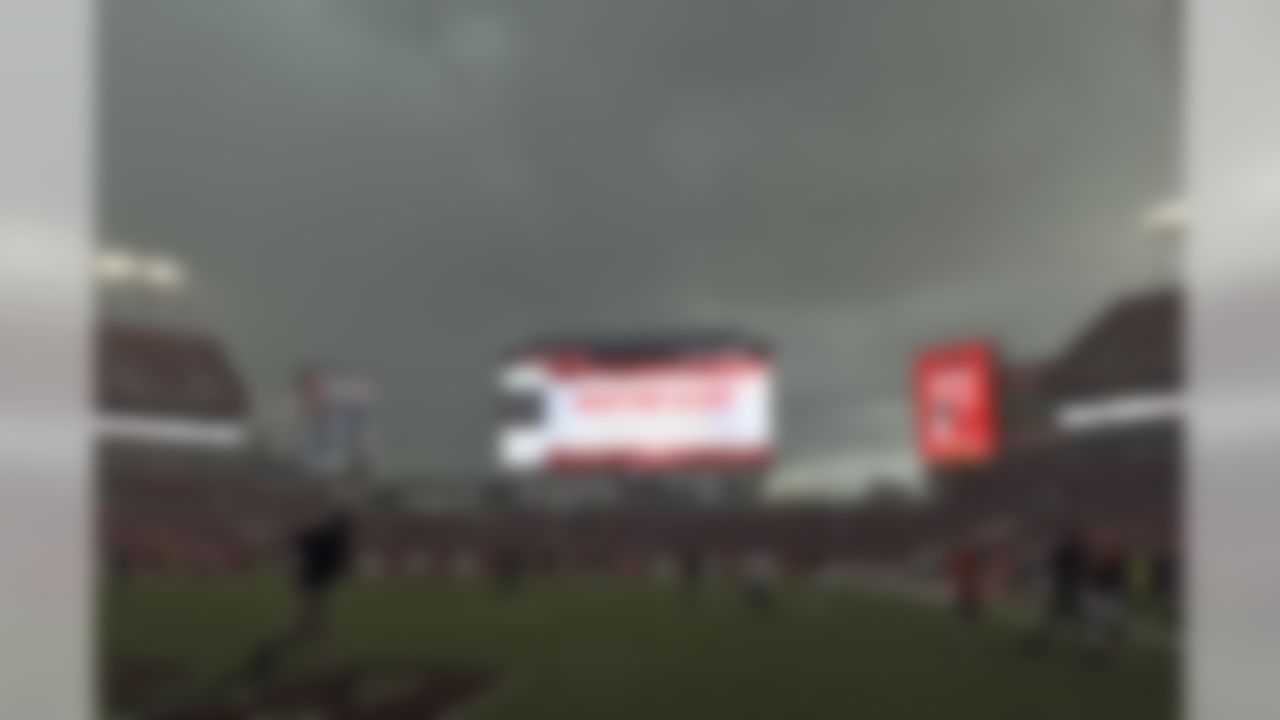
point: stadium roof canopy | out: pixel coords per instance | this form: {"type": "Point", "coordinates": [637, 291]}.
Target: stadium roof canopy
{"type": "Point", "coordinates": [1134, 346]}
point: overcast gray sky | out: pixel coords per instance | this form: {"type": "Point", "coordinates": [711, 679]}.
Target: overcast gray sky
{"type": "Point", "coordinates": [407, 186]}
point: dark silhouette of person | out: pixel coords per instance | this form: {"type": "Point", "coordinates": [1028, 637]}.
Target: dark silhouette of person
{"type": "Point", "coordinates": [1066, 571]}
{"type": "Point", "coordinates": [323, 554]}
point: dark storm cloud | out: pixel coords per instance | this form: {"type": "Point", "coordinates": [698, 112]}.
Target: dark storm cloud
{"type": "Point", "coordinates": [409, 186]}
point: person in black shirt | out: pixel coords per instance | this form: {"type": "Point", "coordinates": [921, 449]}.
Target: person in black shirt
{"type": "Point", "coordinates": [691, 571]}
{"type": "Point", "coordinates": [1107, 601]}
{"type": "Point", "coordinates": [1166, 584]}
{"type": "Point", "coordinates": [508, 568]}
{"type": "Point", "coordinates": [323, 556]}
{"type": "Point", "coordinates": [1066, 569]}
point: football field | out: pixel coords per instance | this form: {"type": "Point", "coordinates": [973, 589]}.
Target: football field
{"type": "Point", "coordinates": [621, 650]}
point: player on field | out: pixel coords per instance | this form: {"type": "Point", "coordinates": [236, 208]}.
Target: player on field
{"type": "Point", "coordinates": [1107, 602]}
{"type": "Point", "coordinates": [691, 571]}
{"type": "Point", "coordinates": [759, 574]}
{"type": "Point", "coordinates": [323, 555]}
{"type": "Point", "coordinates": [1067, 568]}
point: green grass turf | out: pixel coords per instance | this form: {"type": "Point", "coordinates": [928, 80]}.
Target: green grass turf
{"type": "Point", "coordinates": [619, 650]}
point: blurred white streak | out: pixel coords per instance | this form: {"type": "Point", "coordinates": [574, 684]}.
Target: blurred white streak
{"type": "Point", "coordinates": [1234, 268]}
{"type": "Point", "coordinates": [1118, 411]}
{"type": "Point", "coordinates": [46, 591]}
{"type": "Point", "coordinates": [209, 434]}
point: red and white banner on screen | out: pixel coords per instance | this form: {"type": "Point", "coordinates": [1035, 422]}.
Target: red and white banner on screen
{"type": "Point", "coordinates": [699, 413]}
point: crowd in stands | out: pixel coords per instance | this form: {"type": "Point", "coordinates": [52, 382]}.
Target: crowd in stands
{"type": "Point", "coordinates": [223, 523]}
{"type": "Point", "coordinates": [166, 372]}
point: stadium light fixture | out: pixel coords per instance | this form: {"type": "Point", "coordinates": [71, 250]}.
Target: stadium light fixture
{"type": "Point", "coordinates": [163, 274]}
{"type": "Point", "coordinates": [117, 267]}
{"type": "Point", "coordinates": [1168, 219]}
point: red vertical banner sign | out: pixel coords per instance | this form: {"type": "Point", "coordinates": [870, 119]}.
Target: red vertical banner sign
{"type": "Point", "coordinates": [955, 404]}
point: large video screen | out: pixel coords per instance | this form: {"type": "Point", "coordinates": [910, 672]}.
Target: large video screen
{"type": "Point", "coordinates": [339, 411]}
{"type": "Point", "coordinates": [565, 411]}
